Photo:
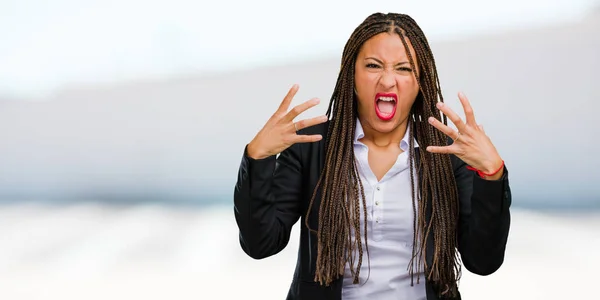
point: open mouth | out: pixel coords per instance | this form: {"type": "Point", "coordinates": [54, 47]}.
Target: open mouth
{"type": "Point", "coordinates": [385, 105]}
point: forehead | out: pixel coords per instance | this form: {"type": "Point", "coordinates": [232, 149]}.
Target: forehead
{"type": "Point", "coordinates": [387, 47]}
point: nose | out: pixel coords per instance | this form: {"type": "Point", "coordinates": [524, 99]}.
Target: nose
{"type": "Point", "coordinates": [387, 80]}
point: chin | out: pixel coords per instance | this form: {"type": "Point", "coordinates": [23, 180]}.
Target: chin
{"type": "Point", "coordinates": [385, 126]}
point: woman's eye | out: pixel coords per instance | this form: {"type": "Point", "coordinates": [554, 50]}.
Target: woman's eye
{"type": "Point", "coordinates": [405, 69]}
{"type": "Point", "coordinates": [372, 66]}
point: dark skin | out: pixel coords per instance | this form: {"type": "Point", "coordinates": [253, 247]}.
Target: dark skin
{"type": "Point", "coordinates": [473, 146]}
{"type": "Point", "coordinates": [382, 66]}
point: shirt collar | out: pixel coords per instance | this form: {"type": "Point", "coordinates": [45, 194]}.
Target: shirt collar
{"type": "Point", "coordinates": [359, 134]}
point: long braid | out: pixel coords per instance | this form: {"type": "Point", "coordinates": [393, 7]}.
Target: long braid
{"type": "Point", "coordinates": [447, 211]}
{"type": "Point", "coordinates": [444, 213]}
{"type": "Point", "coordinates": [342, 189]}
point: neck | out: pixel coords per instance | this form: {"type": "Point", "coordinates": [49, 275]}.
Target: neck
{"type": "Point", "coordinates": [384, 139]}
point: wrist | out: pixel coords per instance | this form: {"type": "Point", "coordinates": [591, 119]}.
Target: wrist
{"type": "Point", "coordinates": [493, 167]}
{"type": "Point", "coordinates": [495, 176]}
{"type": "Point", "coordinates": [490, 172]}
{"type": "Point", "coordinates": [253, 153]}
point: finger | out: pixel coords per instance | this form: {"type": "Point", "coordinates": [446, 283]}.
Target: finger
{"type": "Point", "coordinates": [285, 104]}
{"type": "Point", "coordinates": [298, 109]}
{"type": "Point", "coordinates": [469, 114]}
{"type": "Point", "coordinates": [456, 120]}
{"type": "Point", "coordinates": [302, 138]}
{"type": "Point", "coordinates": [309, 122]}
{"type": "Point", "coordinates": [443, 128]}
{"type": "Point", "coordinates": [441, 149]}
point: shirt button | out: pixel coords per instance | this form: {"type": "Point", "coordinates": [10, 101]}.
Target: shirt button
{"type": "Point", "coordinates": [378, 188]}
{"type": "Point", "coordinates": [376, 202]}
{"type": "Point", "coordinates": [377, 220]}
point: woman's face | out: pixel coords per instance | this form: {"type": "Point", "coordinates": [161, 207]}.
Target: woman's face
{"type": "Point", "coordinates": [384, 82]}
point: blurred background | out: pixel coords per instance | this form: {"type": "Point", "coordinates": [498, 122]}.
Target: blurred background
{"type": "Point", "coordinates": [122, 125]}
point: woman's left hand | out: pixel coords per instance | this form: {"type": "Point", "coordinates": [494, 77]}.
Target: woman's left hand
{"type": "Point", "coordinates": [471, 144]}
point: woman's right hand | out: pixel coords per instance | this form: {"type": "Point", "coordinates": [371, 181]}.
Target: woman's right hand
{"type": "Point", "coordinates": [280, 132]}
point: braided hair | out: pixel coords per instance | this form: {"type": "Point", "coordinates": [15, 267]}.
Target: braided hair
{"type": "Point", "coordinates": [341, 185]}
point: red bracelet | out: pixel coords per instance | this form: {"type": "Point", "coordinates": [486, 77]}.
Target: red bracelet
{"type": "Point", "coordinates": [483, 175]}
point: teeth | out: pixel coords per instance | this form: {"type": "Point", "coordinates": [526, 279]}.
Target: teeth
{"type": "Point", "coordinates": [386, 98]}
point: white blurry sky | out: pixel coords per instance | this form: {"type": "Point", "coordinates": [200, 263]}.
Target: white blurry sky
{"type": "Point", "coordinates": [48, 44]}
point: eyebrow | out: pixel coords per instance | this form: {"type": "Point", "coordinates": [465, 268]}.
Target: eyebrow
{"type": "Point", "coordinates": [379, 61]}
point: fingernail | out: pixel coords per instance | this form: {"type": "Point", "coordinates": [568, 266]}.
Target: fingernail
{"type": "Point", "coordinates": [431, 119]}
{"type": "Point", "coordinates": [324, 118]}
{"type": "Point", "coordinates": [439, 104]}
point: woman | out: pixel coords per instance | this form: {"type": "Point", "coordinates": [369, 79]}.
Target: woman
{"type": "Point", "coordinates": [391, 193]}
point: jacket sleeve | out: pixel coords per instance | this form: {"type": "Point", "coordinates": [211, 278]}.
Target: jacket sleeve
{"type": "Point", "coordinates": [267, 201]}
{"type": "Point", "coordinates": [484, 219]}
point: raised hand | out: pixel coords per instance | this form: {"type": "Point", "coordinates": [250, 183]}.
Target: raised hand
{"type": "Point", "coordinates": [471, 144]}
{"type": "Point", "coordinates": [280, 131]}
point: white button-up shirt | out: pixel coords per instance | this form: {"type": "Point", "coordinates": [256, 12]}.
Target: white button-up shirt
{"type": "Point", "coordinates": [389, 230]}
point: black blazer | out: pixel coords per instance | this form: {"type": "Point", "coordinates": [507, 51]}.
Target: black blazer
{"type": "Point", "coordinates": [271, 194]}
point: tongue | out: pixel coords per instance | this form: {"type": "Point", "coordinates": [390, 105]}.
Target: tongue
{"type": "Point", "coordinates": [385, 107]}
